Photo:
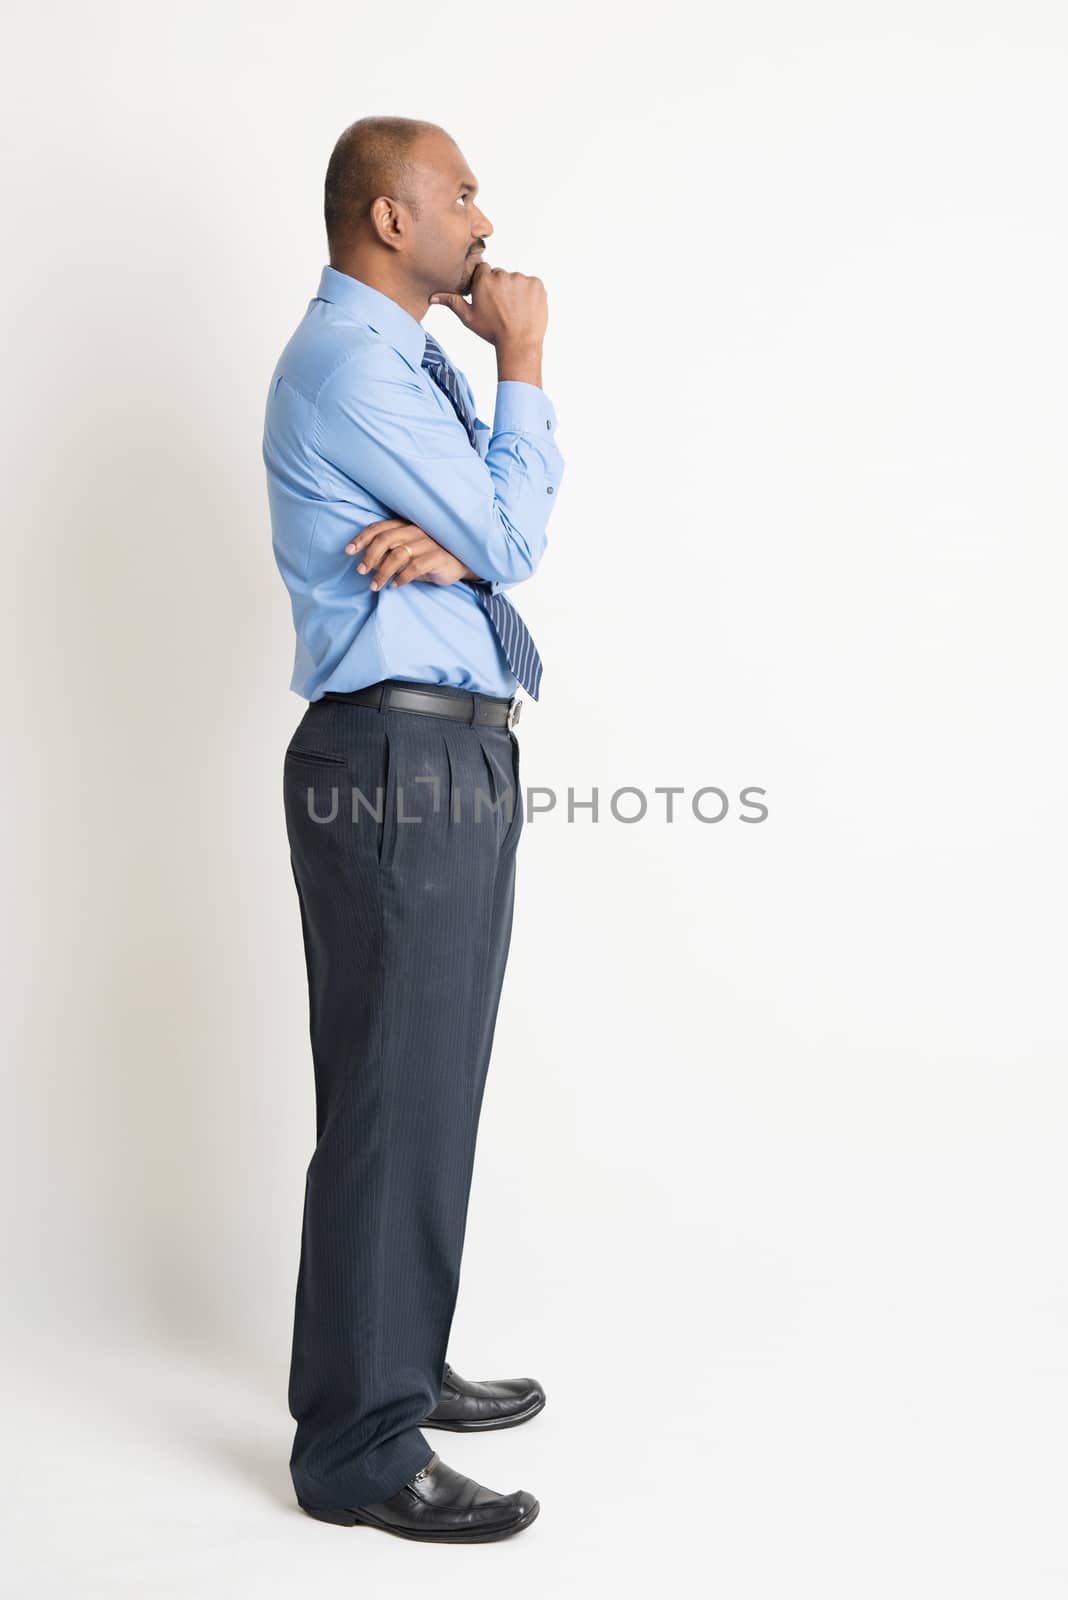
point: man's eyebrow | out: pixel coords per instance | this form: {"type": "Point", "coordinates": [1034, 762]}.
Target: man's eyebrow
{"type": "Point", "coordinates": [465, 185]}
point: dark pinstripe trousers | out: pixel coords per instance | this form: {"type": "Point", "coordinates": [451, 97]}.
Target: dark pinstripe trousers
{"type": "Point", "coordinates": [406, 891]}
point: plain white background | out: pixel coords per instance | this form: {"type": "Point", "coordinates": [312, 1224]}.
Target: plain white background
{"type": "Point", "coordinates": [771, 1179]}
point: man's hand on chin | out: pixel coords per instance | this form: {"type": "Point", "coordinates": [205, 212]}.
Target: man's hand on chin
{"type": "Point", "coordinates": [397, 552]}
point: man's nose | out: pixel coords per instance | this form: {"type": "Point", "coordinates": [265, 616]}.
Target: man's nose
{"type": "Point", "coordinates": [484, 227]}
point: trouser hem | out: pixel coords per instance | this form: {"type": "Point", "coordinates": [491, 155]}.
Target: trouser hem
{"type": "Point", "coordinates": [408, 1456]}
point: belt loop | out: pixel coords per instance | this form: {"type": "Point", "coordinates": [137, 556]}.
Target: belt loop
{"type": "Point", "coordinates": [383, 696]}
{"type": "Point", "coordinates": [474, 709]}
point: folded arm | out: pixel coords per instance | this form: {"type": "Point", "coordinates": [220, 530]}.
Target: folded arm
{"type": "Point", "coordinates": [384, 431]}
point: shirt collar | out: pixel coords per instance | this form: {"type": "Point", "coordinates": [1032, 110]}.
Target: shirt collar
{"type": "Point", "coordinates": [377, 310]}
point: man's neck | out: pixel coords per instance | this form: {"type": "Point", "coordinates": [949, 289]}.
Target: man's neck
{"type": "Point", "coordinates": [415, 303]}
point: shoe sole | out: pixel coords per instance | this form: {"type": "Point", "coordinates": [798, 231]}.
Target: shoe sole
{"type": "Point", "coordinates": [350, 1517]}
{"type": "Point", "coordinates": [487, 1427]}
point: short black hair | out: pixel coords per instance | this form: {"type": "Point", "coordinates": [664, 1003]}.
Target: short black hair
{"type": "Point", "coordinates": [370, 158]}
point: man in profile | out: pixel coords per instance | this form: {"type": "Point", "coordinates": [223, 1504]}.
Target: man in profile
{"type": "Point", "coordinates": [400, 520]}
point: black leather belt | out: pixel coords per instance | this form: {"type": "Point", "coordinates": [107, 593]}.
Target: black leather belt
{"type": "Point", "coordinates": [483, 710]}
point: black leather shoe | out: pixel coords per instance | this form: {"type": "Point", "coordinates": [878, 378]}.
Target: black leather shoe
{"type": "Point", "coordinates": [466, 1407]}
{"type": "Point", "coordinates": [442, 1506]}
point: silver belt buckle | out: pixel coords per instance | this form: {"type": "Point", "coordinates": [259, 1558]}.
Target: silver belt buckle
{"type": "Point", "coordinates": [515, 706]}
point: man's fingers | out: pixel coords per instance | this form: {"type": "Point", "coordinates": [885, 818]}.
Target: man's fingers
{"type": "Point", "coordinates": [456, 303]}
{"type": "Point", "coordinates": [383, 543]}
{"type": "Point", "coordinates": [396, 550]}
{"type": "Point", "coordinates": [372, 531]}
{"type": "Point", "coordinates": [374, 552]}
{"type": "Point", "coordinates": [417, 568]}
{"type": "Point", "coordinates": [397, 558]}
{"type": "Point", "coordinates": [387, 554]}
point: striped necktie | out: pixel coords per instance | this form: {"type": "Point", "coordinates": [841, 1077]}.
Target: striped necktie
{"type": "Point", "coordinates": [518, 646]}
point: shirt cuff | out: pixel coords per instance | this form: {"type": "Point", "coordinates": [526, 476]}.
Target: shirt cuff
{"type": "Point", "coordinates": [494, 585]}
{"type": "Point", "coordinates": [523, 408]}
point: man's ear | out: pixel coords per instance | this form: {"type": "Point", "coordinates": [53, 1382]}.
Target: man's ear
{"type": "Point", "coordinates": [390, 220]}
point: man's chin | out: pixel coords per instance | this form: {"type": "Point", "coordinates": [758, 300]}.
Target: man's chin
{"type": "Point", "coordinates": [471, 270]}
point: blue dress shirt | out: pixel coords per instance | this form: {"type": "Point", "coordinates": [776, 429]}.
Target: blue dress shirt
{"type": "Point", "coordinates": [356, 430]}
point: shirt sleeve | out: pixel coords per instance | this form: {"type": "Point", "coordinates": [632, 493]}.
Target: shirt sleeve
{"type": "Point", "coordinates": [544, 415]}
{"type": "Point", "coordinates": [383, 430]}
